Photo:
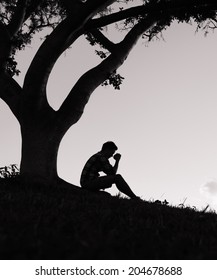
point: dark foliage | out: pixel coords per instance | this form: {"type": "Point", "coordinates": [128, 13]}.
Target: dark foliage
{"type": "Point", "coordinates": [115, 80]}
{"type": "Point", "coordinates": [39, 223]}
{"type": "Point", "coordinates": [47, 15]}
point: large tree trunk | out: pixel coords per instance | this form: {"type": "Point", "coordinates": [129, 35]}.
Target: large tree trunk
{"type": "Point", "coordinates": [40, 143]}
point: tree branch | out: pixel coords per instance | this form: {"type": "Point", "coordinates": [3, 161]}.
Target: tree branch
{"type": "Point", "coordinates": [5, 46]}
{"type": "Point", "coordinates": [73, 106]}
{"type": "Point", "coordinates": [115, 17]}
{"type": "Point", "coordinates": [98, 5]}
{"type": "Point", "coordinates": [103, 40]}
{"type": "Point", "coordinates": [18, 17]}
{"type": "Point", "coordinates": [62, 37]}
{"type": "Point", "coordinates": [93, 5]}
{"type": "Point", "coordinates": [38, 73]}
{"type": "Point", "coordinates": [10, 93]}
{"type": "Point", "coordinates": [169, 7]}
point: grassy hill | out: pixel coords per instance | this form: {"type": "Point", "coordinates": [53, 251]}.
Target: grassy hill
{"type": "Point", "coordinates": [42, 223]}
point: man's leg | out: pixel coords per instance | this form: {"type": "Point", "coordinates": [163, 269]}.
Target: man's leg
{"type": "Point", "coordinates": [123, 187]}
{"type": "Point", "coordinates": [105, 182]}
{"type": "Point", "coordinates": [100, 183]}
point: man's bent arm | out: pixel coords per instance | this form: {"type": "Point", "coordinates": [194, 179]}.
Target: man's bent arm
{"type": "Point", "coordinates": [116, 166]}
{"type": "Point", "coordinates": [117, 158]}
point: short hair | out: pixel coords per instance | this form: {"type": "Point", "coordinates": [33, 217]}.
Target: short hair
{"type": "Point", "coordinates": [109, 146]}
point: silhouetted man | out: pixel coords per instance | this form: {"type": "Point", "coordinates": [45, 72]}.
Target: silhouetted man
{"type": "Point", "coordinates": [91, 179]}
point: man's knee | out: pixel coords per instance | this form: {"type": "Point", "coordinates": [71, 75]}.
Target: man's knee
{"type": "Point", "coordinates": [118, 177]}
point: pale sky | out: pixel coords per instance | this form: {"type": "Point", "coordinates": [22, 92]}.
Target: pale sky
{"type": "Point", "coordinates": [163, 119]}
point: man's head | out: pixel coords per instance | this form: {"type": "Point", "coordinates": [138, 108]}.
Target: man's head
{"type": "Point", "coordinates": [109, 148]}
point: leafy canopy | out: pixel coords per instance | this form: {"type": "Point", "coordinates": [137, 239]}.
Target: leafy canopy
{"type": "Point", "coordinates": [124, 14]}
{"type": "Point", "coordinates": [47, 14]}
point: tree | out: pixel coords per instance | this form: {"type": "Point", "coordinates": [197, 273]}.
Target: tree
{"type": "Point", "coordinates": [42, 128]}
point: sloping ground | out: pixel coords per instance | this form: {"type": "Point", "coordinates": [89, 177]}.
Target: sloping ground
{"type": "Point", "coordinates": [40, 223]}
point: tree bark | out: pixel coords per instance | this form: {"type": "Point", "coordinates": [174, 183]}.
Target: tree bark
{"type": "Point", "coordinates": [40, 143]}
{"type": "Point", "coordinates": [42, 131]}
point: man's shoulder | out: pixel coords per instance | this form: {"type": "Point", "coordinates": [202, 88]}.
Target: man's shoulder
{"type": "Point", "coordinates": [99, 156]}
{"type": "Point", "coordinates": [95, 156]}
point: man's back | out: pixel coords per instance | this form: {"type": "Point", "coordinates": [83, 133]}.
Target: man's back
{"type": "Point", "coordinates": [95, 164]}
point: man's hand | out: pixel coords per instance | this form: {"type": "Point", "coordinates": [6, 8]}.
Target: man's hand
{"type": "Point", "coordinates": [117, 157]}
